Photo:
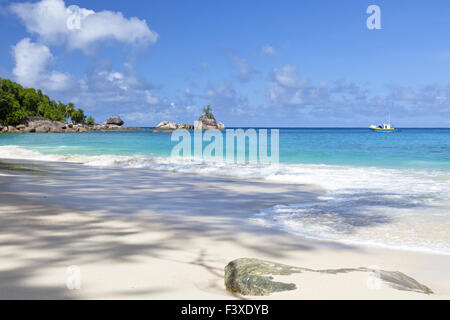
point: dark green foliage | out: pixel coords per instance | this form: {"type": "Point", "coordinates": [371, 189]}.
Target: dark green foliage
{"type": "Point", "coordinates": [207, 111]}
{"type": "Point", "coordinates": [17, 103]}
{"type": "Point", "coordinates": [90, 121]}
{"type": "Point", "coordinates": [69, 109]}
{"type": "Point", "coordinates": [78, 116]}
{"type": "Point", "coordinates": [10, 109]}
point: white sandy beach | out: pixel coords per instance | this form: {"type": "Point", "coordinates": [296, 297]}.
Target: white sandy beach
{"type": "Point", "coordinates": [163, 235]}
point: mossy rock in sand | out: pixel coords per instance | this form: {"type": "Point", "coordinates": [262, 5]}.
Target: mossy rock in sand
{"type": "Point", "coordinates": [253, 277]}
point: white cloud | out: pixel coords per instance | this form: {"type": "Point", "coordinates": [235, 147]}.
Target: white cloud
{"type": "Point", "coordinates": [140, 117]}
{"type": "Point", "coordinates": [268, 50]}
{"type": "Point", "coordinates": [165, 110]}
{"type": "Point", "coordinates": [288, 88]}
{"type": "Point", "coordinates": [116, 79]}
{"type": "Point", "coordinates": [244, 69]}
{"type": "Point", "coordinates": [225, 98]}
{"type": "Point", "coordinates": [223, 90]}
{"type": "Point", "coordinates": [287, 77]}
{"type": "Point", "coordinates": [57, 81]}
{"type": "Point", "coordinates": [102, 84]}
{"type": "Point", "coordinates": [112, 76]}
{"type": "Point", "coordinates": [81, 28]}
{"type": "Point", "coordinates": [351, 104]}
{"type": "Point", "coordinates": [31, 61]}
{"type": "Point", "coordinates": [150, 98]}
{"type": "Point", "coordinates": [421, 99]}
{"type": "Point", "coordinates": [32, 68]}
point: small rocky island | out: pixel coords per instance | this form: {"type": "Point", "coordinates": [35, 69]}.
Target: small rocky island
{"type": "Point", "coordinates": [40, 124]}
{"type": "Point", "coordinates": [205, 122]}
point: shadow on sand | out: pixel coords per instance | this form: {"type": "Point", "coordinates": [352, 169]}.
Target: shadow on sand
{"type": "Point", "coordinates": [180, 207]}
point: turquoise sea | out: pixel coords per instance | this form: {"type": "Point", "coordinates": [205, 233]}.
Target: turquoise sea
{"type": "Point", "coordinates": [409, 148]}
{"type": "Point", "coordinates": [388, 189]}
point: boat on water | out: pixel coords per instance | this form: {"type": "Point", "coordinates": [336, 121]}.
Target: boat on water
{"type": "Point", "coordinates": [385, 127]}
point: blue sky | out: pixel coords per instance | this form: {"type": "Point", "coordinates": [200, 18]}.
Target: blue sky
{"type": "Point", "coordinates": [258, 63]}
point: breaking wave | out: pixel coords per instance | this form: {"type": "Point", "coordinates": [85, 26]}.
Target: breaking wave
{"type": "Point", "coordinates": [403, 208]}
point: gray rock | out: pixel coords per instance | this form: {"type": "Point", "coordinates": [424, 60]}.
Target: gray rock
{"type": "Point", "coordinates": [57, 127]}
{"type": "Point", "coordinates": [41, 123]}
{"type": "Point", "coordinates": [248, 276]}
{"type": "Point", "coordinates": [42, 129]}
{"type": "Point", "coordinates": [252, 277]}
{"type": "Point", "coordinates": [113, 126]}
{"type": "Point", "coordinates": [206, 122]}
{"type": "Point", "coordinates": [185, 126]}
{"type": "Point", "coordinates": [167, 125]}
{"type": "Point", "coordinates": [35, 122]}
{"type": "Point", "coordinates": [115, 120]}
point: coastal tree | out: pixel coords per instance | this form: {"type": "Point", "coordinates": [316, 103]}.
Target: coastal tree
{"type": "Point", "coordinates": [207, 111]}
{"type": "Point", "coordinates": [70, 108]}
{"type": "Point", "coordinates": [29, 99]}
{"type": "Point", "coordinates": [78, 116]}
{"type": "Point", "coordinates": [17, 103]}
{"type": "Point", "coordinates": [11, 111]}
{"type": "Point", "coordinates": [90, 121]}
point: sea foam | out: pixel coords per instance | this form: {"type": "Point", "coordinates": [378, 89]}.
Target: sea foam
{"type": "Point", "coordinates": [402, 208]}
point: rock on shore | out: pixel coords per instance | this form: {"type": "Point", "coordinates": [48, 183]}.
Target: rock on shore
{"type": "Point", "coordinates": [166, 125]}
{"type": "Point", "coordinates": [44, 125]}
{"type": "Point", "coordinates": [169, 125]}
{"type": "Point", "coordinates": [254, 277]}
{"type": "Point", "coordinates": [208, 121]}
{"type": "Point", "coordinates": [184, 126]}
{"type": "Point", "coordinates": [115, 121]}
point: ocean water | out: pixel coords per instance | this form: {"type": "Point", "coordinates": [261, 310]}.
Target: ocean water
{"type": "Point", "coordinates": [383, 189]}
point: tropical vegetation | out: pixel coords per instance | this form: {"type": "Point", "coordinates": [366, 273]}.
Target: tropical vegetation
{"type": "Point", "coordinates": [17, 102]}
{"type": "Point", "coordinates": [207, 111]}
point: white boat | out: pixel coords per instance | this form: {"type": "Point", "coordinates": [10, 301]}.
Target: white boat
{"type": "Point", "coordinates": [385, 127]}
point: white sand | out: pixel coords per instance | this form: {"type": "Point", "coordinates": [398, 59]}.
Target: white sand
{"type": "Point", "coordinates": [136, 235]}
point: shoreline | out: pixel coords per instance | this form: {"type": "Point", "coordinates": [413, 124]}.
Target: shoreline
{"type": "Point", "coordinates": [169, 244]}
